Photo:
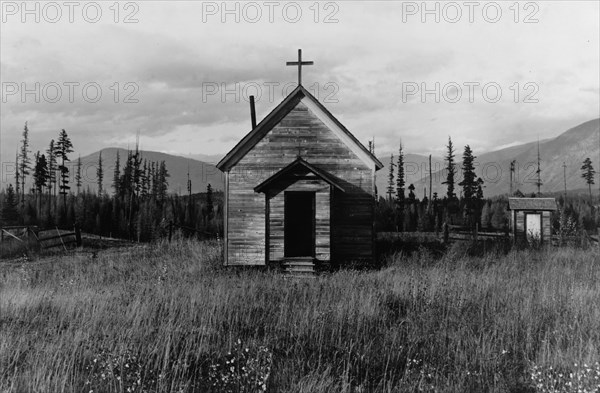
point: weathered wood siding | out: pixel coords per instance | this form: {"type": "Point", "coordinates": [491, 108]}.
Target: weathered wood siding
{"type": "Point", "coordinates": [519, 218]}
{"type": "Point", "coordinates": [351, 211]}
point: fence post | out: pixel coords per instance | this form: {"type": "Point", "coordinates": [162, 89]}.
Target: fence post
{"type": "Point", "coordinates": [78, 235]}
{"type": "Point", "coordinates": [170, 230]}
{"type": "Point", "coordinates": [476, 230]}
{"type": "Point", "coordinates": [446, 232]}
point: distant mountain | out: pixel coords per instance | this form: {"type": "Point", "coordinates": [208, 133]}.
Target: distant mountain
{"type": "Point", "coordinates": [201, 173]}
{"type": "Point", "coordinates": [570, 148]}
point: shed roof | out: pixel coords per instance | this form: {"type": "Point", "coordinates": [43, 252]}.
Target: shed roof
{"type": "Point", "coordinates": [532, 204]}
{"type": "Point", "coordinates": [298, 167]}
{"type": "Point", "coordinates": [276, 115]}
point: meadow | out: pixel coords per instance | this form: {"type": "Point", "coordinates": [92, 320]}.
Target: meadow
{"type": "Point", "coordinates": [170, 318]}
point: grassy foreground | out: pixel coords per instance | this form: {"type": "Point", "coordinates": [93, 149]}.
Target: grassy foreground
{"type": "Point", "coordinates": [167, 318]}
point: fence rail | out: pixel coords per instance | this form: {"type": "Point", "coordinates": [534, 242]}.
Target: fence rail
{"type": "Point", "coordinates": [26, 233]}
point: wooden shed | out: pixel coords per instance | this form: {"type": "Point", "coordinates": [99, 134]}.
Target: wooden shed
{"type": "Point", "coordinates": [530, 218]}
{"type": "Point", "coordinates": [299, 188]}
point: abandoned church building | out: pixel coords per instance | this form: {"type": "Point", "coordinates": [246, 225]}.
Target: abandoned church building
{"type": "Point", "coordinates": [299, 189]}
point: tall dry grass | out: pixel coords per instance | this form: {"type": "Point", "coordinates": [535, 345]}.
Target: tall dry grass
{"type": "Point", "coordinates": [168, 318]}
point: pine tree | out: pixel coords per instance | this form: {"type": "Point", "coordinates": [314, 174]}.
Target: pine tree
{"type": "Point", "coordinates": [450, 169]}
{"type": "Point", "coordinates": [390, 187]}
{"type": "Point", "coordinates": [400, 182]}
{"type": "Point", "coordinates": [9, 212]}
{"type": "Point", "coordinates": [51, 159]}
{"type": "Point", "coordinates": [25, 161]}
{"type": "Point", "coordinates": [411, 193]}
{"type": "Point", "coordinates": [63, 148]}
{"type": "Point", "coordinates": [116, 175]}
{"type": "Point", "coordinates": [469, 183]}
{"type": "Point", "coordinates": [40, 179]}
{"type": "Point", "coordinates": [210, 208]}
{"type": "Point", "coordinates": [100, 174]}
{"type": "Point", "coordinates": [588, 174]}
{"type": "Point", "coordinates": [163, 184]}
{"type": "Point", "coordinates": [78, 175]}
{"type": "Point", "coordinates": [17, 176]}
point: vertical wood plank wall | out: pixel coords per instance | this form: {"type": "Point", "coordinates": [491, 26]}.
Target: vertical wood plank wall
{"type": "Point", "coordinates": [520, 223]}
{"type": "Point", "coordinates": [351, 211]}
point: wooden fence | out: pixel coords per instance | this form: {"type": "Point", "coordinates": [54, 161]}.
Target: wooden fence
{"type": "Point", "coordinates": [45, 238]}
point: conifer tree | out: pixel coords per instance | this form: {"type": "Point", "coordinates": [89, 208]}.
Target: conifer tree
{"type": "Point", "coordinates": [450, 169]}
{"type": "Point", "coordinates": [100, 174]}
{"type": "Point", "coordinates": [63, 148]}
{"type": "Point", "coordinates": [9, 212]}
{"type": "Point", "coordinates": [588, 174]}
{"type": "Point", "coordinates": [24, 161]}
{"type": "Point", "coordinates": [390, 187]}
{"type": "Point", "coordinates": [400, 181]}
{"type": "Point", "coordinates": [116, 175]}
{"type": "Point", "coordinates": [40, 178]}
{"type": "Point", "coordinates": [78, 175]}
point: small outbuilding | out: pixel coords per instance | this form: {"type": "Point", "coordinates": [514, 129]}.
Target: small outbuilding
{"type": "Point", "coordinates": [530, 218]}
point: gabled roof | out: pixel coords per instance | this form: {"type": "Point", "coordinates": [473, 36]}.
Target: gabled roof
{"type": "Point", "coordinates": [276, 115]}
{"type": "Point", "coordinates": [532, 204]}
{"type": "Point", "coordinates": [298, 166]}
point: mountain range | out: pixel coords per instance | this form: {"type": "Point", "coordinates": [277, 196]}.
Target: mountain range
{"type": "Point", "coordinates": [561, 159]}
{"type": "Point", "coordinates": [569, 148]}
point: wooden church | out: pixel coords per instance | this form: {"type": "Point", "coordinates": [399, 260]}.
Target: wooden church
{"type": "Point", "coordinates": [299, 189]}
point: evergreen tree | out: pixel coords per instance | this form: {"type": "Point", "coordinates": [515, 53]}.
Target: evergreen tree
{"type": "Point", "coordinates": [63, 148]}
{"type": "Point", "coordinates": [17, 175]}
{"type": "Point", "coordinates": [40, 172]}
{"type": "Point", "coordinates": [210, 208]}
{"type": "Point", "coordinates": [51, 159]}
{"type": "Point", "coordinates": [469, 183]}
{"type": "Point", "coordinates": [9, 212]}
{"type": "Point", "coordinates": [78, 175]}
{"type": "Point", "coordinates": [411, 193]}
{"type": "Point", "coordinates": [24, 161]}
{"type": "Point", "coordinates": [400, 182]}
{"type": "Point", "coordinates": [163, 184]}
{"type": "Point", "coordinates": [390, 187]}
{"type": "Point", "coordinates": [450, 169]}
{"type": "Point", "coordinates": [100, 174]}
{"type": "Point", "coordinates": [588, 174]}
{"type": "Point", "coordinates": [116, 175]}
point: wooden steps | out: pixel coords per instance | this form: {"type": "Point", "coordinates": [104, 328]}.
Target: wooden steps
{"type": "Point", "coordinates": [299, 267]}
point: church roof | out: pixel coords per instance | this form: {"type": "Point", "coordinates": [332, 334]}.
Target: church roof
{"type": "Point", "coordinates": [276, 115]}
{"type": "Point", "coordinates": [298, 167]}
{"type": "Point", "coordinates": [532, 204]}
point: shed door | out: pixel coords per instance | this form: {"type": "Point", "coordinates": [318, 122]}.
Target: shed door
{"type": "Point", "coordinates": [299, 225]}
{"type": "Point", "coordinates": [533, 226]}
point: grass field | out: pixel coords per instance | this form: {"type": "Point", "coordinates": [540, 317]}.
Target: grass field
{"type": "Point", "coordinates": [168, 318]}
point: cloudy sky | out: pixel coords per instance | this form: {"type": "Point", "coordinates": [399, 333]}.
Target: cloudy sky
{"type": "Point", "coordinates": [179, 73]}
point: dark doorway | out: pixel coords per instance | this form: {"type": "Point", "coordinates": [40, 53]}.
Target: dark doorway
{"type": "Point", "coordinates": [299, 224]}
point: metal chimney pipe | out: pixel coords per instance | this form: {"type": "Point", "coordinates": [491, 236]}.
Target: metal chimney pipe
{"type": "Point", "coordinates": [252, 112]}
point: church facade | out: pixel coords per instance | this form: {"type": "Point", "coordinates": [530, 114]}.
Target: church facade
{"type": "Point", "coordinates": [299, 186]}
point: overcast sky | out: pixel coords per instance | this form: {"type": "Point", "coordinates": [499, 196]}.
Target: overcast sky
{"type": "Point", "coordinates": [163, 75]}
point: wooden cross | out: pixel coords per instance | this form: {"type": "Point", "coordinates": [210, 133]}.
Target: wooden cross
{"type": "Point", "coordinates": [299, 63]}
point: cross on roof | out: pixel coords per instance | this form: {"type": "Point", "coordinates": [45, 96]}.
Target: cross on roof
{"type": "Point", "coordinates": [299, 63]}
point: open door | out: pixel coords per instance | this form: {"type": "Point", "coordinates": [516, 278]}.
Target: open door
{"type": "Point", "coordinates": [533, 226]}
{"type": "Point", "coordinates": [299, 224]}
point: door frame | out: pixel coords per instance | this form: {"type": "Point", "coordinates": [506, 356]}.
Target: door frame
{"type": "Point", "coordinates": [313, 221]}
{"type": "Point", "coordinates": [534, 213]}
